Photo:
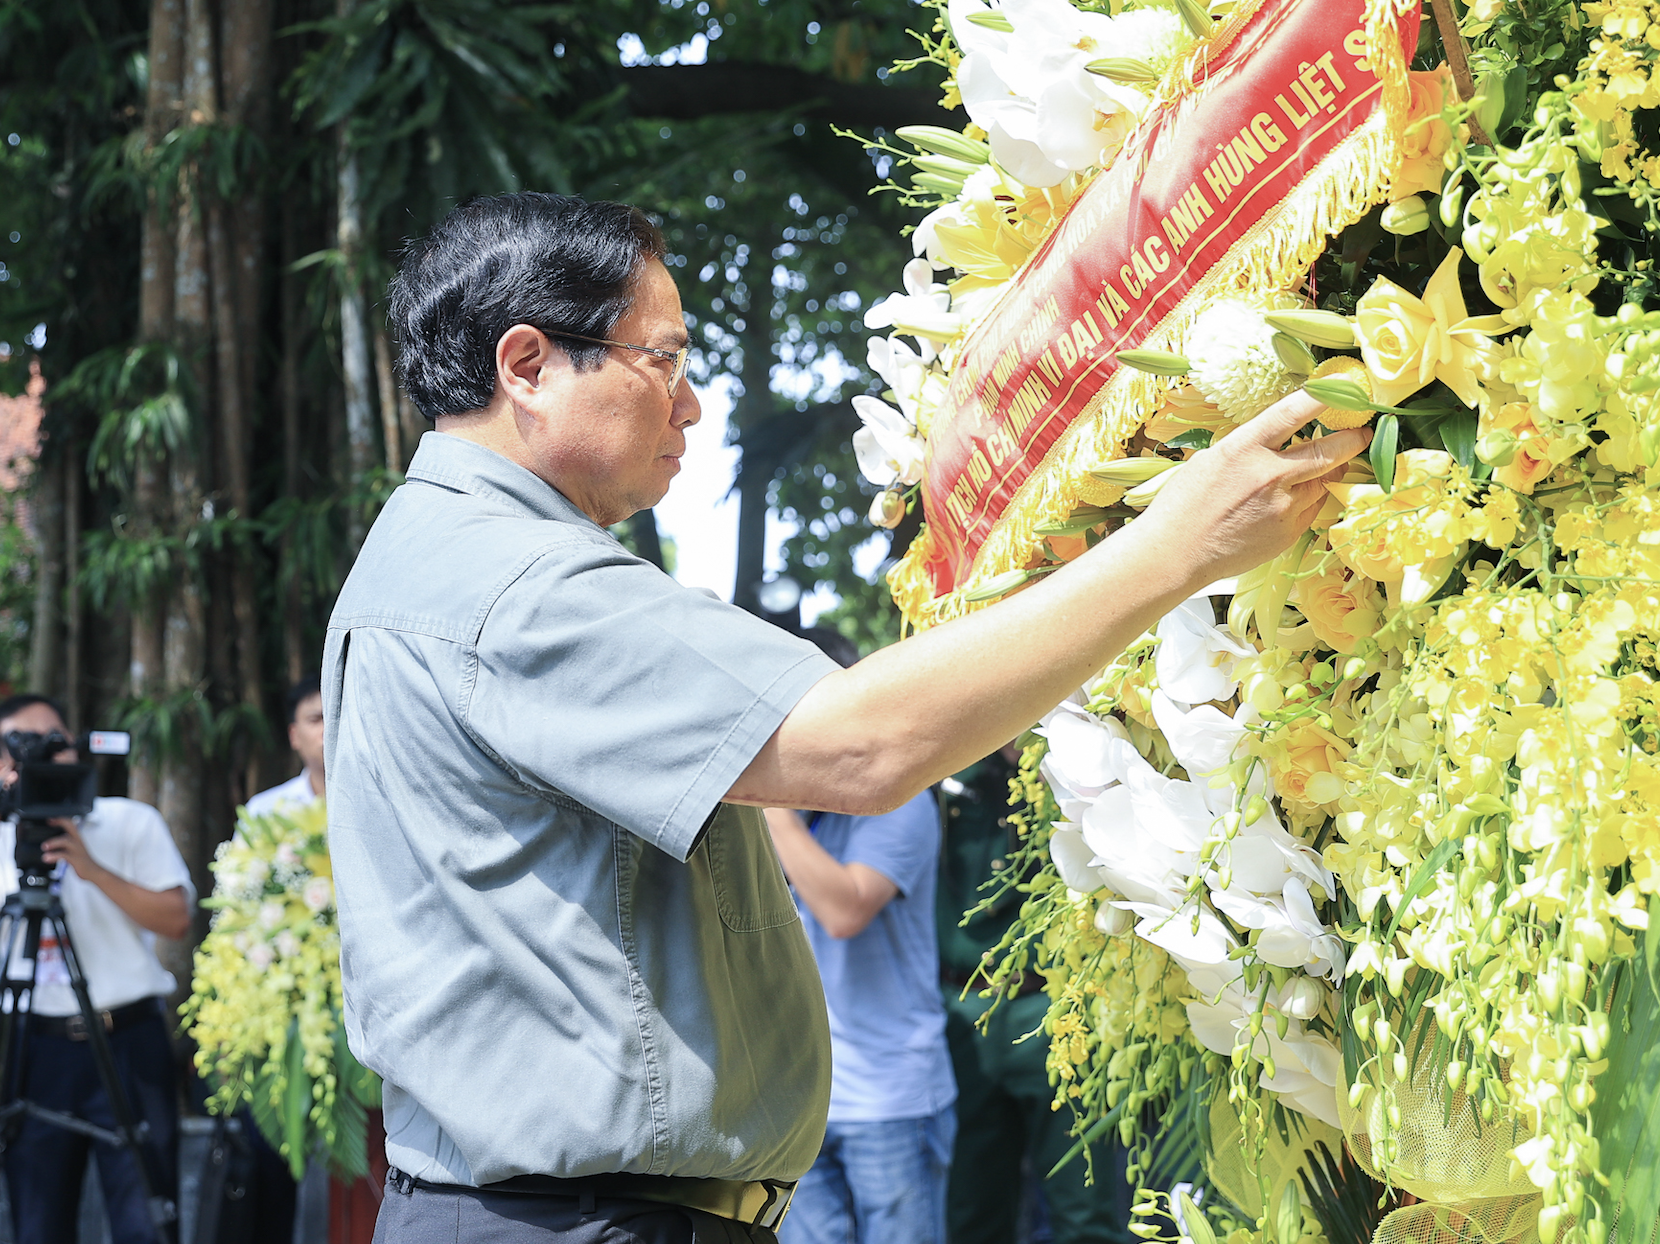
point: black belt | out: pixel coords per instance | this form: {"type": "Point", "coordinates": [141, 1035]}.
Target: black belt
{"type": "Point", "coordinates": [761, 1203]}
{"type": "Point", "coordinates": [115, 1019]}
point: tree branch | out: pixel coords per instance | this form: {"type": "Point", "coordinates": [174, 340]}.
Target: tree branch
{"type": "Point", "coordinates": [687, 92]}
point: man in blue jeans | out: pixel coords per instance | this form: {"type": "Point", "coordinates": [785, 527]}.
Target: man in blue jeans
{"type": "Point", "coordinates": [865, 886]}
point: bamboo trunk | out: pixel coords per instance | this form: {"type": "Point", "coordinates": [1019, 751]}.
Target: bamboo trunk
{"type": "Point", "coordinates": [46, 637]}
{"type": "Point", "coordinates": [388, 398]}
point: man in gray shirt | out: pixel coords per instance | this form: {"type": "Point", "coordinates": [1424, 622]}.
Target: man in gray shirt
{"type": "Point", "coordinates": [566, 942]}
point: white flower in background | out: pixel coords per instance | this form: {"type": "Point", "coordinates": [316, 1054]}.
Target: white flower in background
{"type": "Point", "coordinates": [1196, 657]}
{"type": "Point", "coordinates": [318, 893]}
{"type": "Point", "coordinates": [1231, 350]}
{"type": "Point", "coordinates": [923, 310]}
{"type": "Point", "coordinates": [286, 943]}
{"type": "Point", "coordinates": [271, 914]}
{"type": "Point", "coordinates": [1292, 934]}
{"type": "Point", "coordinates": [1030, 89]}
{"type": "Point", "coordinates": [261, 956]}
{"type": "Point", "coordinates": [888, 448]}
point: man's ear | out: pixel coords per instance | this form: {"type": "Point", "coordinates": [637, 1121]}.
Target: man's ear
{"type": "Point", "coordinates": [522, 353]}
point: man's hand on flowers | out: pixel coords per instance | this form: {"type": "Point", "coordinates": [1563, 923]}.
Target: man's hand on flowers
{"type": "Point", "coordinates": [1243, 501]}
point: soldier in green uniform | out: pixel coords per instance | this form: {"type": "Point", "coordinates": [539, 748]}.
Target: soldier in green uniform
{"type": "Point", "coordinates": [1003, 1089]}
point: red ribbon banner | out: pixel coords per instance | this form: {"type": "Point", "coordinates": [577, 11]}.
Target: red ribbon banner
{"type": "Point", "coordinates": [1200, 176]}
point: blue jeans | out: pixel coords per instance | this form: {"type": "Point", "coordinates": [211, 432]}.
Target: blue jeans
{"type": "Point", "coordinates": [876, 1183]}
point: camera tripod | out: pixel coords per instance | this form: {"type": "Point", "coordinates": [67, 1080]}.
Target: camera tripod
{"type": "Point", "coordinates": [24, 914]}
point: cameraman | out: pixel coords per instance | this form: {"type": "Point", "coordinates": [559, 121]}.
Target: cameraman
{"type": "Point", "coordinates": [122, 882]}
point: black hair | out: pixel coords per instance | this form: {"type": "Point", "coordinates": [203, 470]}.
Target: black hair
{"type": "Point", "coordinates": [554, 261]}
{"type": "Point", "coordinates": [300, 692]}
{"type": "Point", "coordinates": [14, 704]}
{"type": "Point", "coordinates": [838, 647]}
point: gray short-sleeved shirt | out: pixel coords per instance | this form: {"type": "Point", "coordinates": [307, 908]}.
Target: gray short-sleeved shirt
{"type": "Point", "coordinates": [564, 954]}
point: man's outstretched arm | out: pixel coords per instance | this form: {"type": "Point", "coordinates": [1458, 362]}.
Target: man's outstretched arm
{"type": "Point", "coordinates": [864, 740]}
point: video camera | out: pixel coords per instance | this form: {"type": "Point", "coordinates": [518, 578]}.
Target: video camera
{"type": "Point", "coordinates": [44, 789]}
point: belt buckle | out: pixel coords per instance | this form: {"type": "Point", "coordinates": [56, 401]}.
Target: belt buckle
{"type": "Point", "coordinates": [779, 1195]}
{"type": "Point", "coordinates": [74, 1026]}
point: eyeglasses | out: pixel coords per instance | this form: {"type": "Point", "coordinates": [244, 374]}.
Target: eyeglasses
{"type": "Point", "coordinates": [679, 357]}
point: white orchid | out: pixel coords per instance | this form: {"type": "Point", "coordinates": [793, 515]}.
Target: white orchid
{"type": "Point", "coordinates": [1196, 658]}
{"type": "Point", "coordinates": [923, 310]}
{"type": "Point", "coordinates": [1199, 942]}
{"type": "Point", "coordinates": [1204, 740]}
{"type": "Point", "coordinates": [889, 449]}
{"type": "Point", "coordinates": [1030, 88]}
{"type": "Point", "coordinates": [1086, 753]}
{"type": "Point", "coordinates": [916, 386]}
{"type": "Point", "coordinates": [1292, 934]}
{"type": "Point", "coordinates": [1306, 1064]}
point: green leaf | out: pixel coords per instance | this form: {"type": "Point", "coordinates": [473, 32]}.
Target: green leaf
{"type": "Point", "coordinates": [1422, 876]}
{"type": "Point", "coordinates": [1458, 434]}
{"type": "Point", "coordinates": [296, 1102]}
{"type": "Point", "coordinates": [1626, 1115]}
{"type": "Point", "coordinates": [1193, 438]}
{"type": "Point", "coordinates": [1384, 440]}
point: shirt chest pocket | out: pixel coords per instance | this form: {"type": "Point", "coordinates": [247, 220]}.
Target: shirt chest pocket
{"type": "Point", "coordinates": [750, 891]}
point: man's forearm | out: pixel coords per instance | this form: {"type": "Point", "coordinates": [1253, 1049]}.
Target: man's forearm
{"type": "Point", "coordinates": [871, 736]}
{"type": "Point", "coordinates": [164, 912]}
{"type": "Point", "coordinates": [864, 740]}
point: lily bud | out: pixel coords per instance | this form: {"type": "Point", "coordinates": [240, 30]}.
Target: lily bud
{"type": "Point", "coordinates": [946, 166]}
{"type": "Point", "coordinates": [887, 508]}
{"type": "Point", "coordinates": [1406, 217]}
{"type": "Point", "coordinates": [1129, 472]}
{"type": "Point", "coordinates": [1158, 362]}
{"type": "Point", "coordinates": [941, 141]}
{"type": "Point", "coordinates": [991, 19]}
{"type": "Point", "coordinates": [1124, 69]}
{"type": "Point", "coordinates": [1318, 328]}
{"type": "Point", "coordinates": [1142, 495]}
{"type": "Point", "coordinates": [1297, 358]}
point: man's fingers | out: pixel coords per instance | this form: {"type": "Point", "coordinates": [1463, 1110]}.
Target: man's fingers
{"type": "Point", "coordinates": [1312, 459]}
{"type": "Point", "coordinates": [1274, 426]}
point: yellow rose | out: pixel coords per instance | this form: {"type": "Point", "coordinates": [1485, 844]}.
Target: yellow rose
{"type": "Point", "coordinates": [1342, 607]}
{"type": "Point", "coordinates": [1532, 460]}
{"type": "Point", "coordinates": [1427, 135]}
{"type": "Point", "coordinates": [1408, 341]}
{"type": "Point", "coordinates": [1303, 760]}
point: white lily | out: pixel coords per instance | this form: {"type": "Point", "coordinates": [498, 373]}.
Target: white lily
{"type": "Point", "coordinates": [1196, 657]}
{"type": "Point", "coordinates": [888, 448]}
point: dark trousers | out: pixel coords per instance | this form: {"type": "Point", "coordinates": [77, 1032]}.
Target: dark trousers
{"type": "Point", "coordinates": [45, 1164]}
{"type": "Point", "coordinates": [429, 1215]}
{"type": "Point", "coordinates": [1003, 1114]}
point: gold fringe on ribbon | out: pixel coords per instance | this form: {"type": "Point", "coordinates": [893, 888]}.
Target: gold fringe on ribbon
{"type": "Point", "coordinates": [1274, 255]}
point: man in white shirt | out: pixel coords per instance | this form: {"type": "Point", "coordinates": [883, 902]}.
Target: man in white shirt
{"type": "Point", "coordinates": [122, 882]}
{"type": "Point", "coordinates": [305, 736]}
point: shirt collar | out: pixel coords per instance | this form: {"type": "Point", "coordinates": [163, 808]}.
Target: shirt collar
{"type": "Point", "coordinates": [451, 462]}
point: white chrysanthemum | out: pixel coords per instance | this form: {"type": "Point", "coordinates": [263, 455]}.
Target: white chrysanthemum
{"type": "Point", "coordinates": [1156, 36]}
{"type": "Point", "coordinates": [1231, 350]}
